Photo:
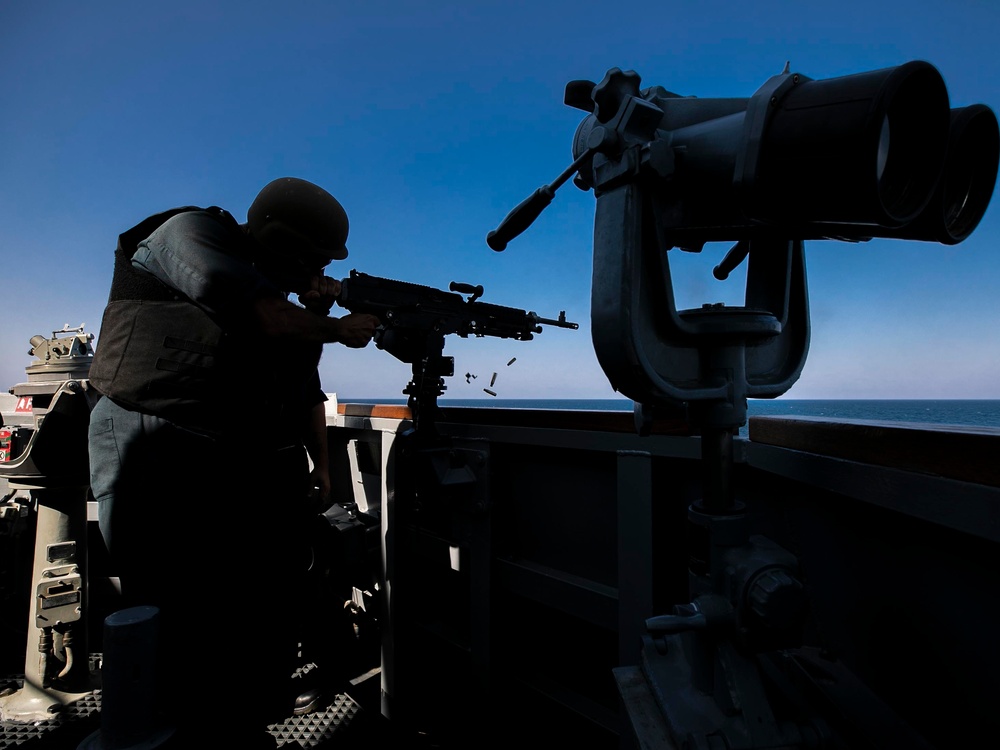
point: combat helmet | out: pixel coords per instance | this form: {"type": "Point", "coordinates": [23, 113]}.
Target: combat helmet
{"type": "Point", "coordinates": [294, 214]}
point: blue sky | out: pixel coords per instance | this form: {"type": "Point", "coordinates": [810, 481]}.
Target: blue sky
{"type": "Point", "coordinates": [430, 121]}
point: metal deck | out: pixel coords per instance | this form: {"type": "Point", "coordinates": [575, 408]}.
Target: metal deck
{"type": "Point", "coordinates": [339, 724]}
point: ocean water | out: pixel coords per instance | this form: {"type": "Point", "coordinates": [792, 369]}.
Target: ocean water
{"type": "Point", "coordinates": [982, 413]}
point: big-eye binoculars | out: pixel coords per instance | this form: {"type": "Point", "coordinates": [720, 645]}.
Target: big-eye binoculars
{"type": "Point", "coordinates": [874, 154]}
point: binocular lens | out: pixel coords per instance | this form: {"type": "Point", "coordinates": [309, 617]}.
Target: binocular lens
{"type": "Point", "coordinates": [971, 169]}
{"type": "Point", "coordinates": [911, 145]}
{"type": "Point", "coordinates": [883, 149]}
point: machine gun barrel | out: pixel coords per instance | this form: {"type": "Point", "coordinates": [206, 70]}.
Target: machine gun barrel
{"type": "Point", "coordinates": [559, 322]}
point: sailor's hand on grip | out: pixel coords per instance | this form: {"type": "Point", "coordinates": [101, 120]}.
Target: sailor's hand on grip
{"type": "Point", "coordinates": [321, 294]}
{"type": "Point", "coordinates": [357, 329]}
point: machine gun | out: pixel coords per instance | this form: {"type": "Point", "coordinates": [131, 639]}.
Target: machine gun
{"type": "Point", "coordinates": [416, 318]}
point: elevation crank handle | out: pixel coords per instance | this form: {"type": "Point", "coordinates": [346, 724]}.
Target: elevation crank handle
{"type": "Point", "coordinates": [520, 218]}
{"type": "Point", "coordinates": [527, 211]}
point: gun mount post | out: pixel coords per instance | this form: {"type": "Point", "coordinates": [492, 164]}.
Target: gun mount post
{"type": "Point", "coordinates": [427, 382]}
{"type": "Point", "coordinates": [442, 500]}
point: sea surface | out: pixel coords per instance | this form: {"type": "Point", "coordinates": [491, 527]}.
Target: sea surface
{"type": "Point", "coordinates": [940, 412]}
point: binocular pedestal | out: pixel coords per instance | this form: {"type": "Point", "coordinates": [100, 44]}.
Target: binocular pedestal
{"type": "Point", "coordinates": [699, 670]}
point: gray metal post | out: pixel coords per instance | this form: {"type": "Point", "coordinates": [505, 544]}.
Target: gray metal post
{"type": "Point", "coordinates": [128, 703]}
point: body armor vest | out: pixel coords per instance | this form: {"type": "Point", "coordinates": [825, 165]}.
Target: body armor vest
{"type": "Point", "coordinates": [160, 354]}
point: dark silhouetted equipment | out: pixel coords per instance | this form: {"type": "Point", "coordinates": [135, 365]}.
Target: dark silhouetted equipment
{"type": "Point", "coordinates": [876, 154]}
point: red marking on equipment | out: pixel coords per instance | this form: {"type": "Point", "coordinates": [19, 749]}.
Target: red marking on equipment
{"type": "Point", "coordinates": [23, 405]}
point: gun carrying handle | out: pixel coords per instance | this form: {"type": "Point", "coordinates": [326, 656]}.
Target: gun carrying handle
{"type": "Point", "coordinates": [475, 291]}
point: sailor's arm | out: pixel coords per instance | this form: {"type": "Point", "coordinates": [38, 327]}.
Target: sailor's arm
{"type": "Point", "coordinates": [316, 444]}
{"type": "Point", "coordinates": [279, 318]}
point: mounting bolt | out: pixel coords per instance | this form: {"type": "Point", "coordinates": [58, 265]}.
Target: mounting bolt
{"type": "Point", "coordinates": [777, 597]}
